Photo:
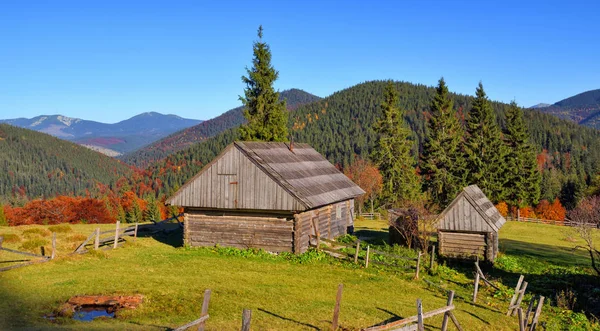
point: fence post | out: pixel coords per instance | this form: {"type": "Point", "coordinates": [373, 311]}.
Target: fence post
{"type": "Point", "coordinates": [53, 246]}
{"type": "Point", "coordinates": [529, 309]}
{"type": "Point", "coordinates": [476, 286]}
{"type": "Point", "coordinates": [204, 308]}
{"type": "Point", "coordinates": [367, 257]}
{"type": "Point", "coordinates": [418, 265]}
{"type": "Point", "coordinates": [357, 250]}
{"type": "Point", "coordinates": [420, 326]}
{"type": "Point", "coordinates": [514, 298]}
{"type": "Point", "coordinates": [246, 319]}
{"type": "Point", "coordinates": [135, 232]}
{"type": "Point", "coordinates": [1, 240]}
{"type": "Point", "coordinates": [538, 312]}
{"type": "Point", "coordinates": [432, 257]}
{"type": "Point", "coordinates": [521, 294]}
{"type": "Point", "coordinates": [446, 315]}
{"type": "Point", "coordinates": [117, 234]}
{"type": "Point", "coordinates": [336, 310]}
{"type": "Point", "coordinates": [521, 322]}
{"type": "Point", "coordinates": [97, 240]}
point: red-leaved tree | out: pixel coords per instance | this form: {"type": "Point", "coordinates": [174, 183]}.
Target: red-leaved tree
{"type": "Point", "coordinates": [367, 176]}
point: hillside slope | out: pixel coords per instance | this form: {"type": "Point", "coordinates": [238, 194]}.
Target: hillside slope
{"type": "Point", "coordinates": [36, 164]}
{"type": "Point", "coordinates": [340, 127]}
{"type": "Point", "coordinates": [121, 137]}
{"type": "Point", "coordinates": [187, 137]}
{"type": "Point", "coordinates": [583, 108]}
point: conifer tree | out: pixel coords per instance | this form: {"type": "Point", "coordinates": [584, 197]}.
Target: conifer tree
{"type": "Point", "coordinates": [392, 153]}
{"type": "Point", "coordinates": [485, 151]}
{"type": "Point", "coordinates": [267, 116]}
{"type": "Point", "coordinates": [443, 162]}
{"type": "Point", "coordinates": [523, 179]}
{"type": "Point", "coordinates": [152, 212]}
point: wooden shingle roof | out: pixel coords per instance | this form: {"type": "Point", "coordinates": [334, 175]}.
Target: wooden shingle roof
{"type": "Point", "coordinates": [302, 171]}
{"type": "Point", "coordinates": [481, 204]}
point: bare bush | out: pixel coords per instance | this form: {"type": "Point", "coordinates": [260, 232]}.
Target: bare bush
{"type": "Point", "coordinates": [414, 225]}
{"type": "Point", "coordinates": [587, 218]}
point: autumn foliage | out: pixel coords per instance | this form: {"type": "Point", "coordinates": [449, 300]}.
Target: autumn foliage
{"type": "Point", "coordinates": [551, 211]}
{"type": "Point", "coordinates": [544, 210]}
{"type": "Point", "coordinates": [366, 175]}
{"type": "Point", "coordinates": [62, 209]}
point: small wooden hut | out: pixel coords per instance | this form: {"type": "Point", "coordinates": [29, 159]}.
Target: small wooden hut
{"type": "Point", "coordinates": [266, 195]}
{"type": "Point", "coordinates": [468, 227]}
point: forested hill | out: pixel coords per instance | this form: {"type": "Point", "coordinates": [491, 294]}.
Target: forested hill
{"type": "Point", "coordinates": [583, 108]}
{"type": "Point", "coordinates": [340, 126]}
{"type": "Point", "coordinates": [35, 164]}
{"type": "Point", "coordinates": [184, 138]}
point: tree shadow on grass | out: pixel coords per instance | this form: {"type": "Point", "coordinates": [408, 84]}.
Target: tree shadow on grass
{"type": "Point", "coordinates": [167, 233]}
{"type": "Point", "coordinates": [288, 319]}
{"type": "Point", "coordinates": [552, 269]}
{"type": "Point", "coordinates": [372, 236]}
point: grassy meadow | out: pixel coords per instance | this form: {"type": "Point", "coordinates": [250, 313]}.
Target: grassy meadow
{"type": "Point", "coordinates": [285, 292]}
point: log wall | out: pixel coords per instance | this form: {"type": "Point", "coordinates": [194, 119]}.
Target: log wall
{"type": "Point", "coordinates": [269, 232]}
{"type": "Point", "coordinates": [466, 245]}
{"type": "Point", "coordinates": [329, 221]}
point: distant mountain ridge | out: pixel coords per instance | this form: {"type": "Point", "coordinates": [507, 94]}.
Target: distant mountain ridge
{"type": "Point", "coordinates": [583, 108]}
{"type": "Point", "coordinates": [113, 139]}
{"type": "Point", "coordinates": [35, 164]}
{"type": "Point", "coordinates": [187, 137]}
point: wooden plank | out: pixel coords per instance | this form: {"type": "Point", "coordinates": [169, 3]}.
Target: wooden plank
{"type": "Point", "coordinates": [514, 297]}
{"type": "Point", "coordinates": [538, 312]}
{"type": "Point", "coordinates": [357, 251]}
{"type": "Point", "coordinates": [336, 310]}
{"type": "Point", "coordinates": [246, 319]}
{"type": "Point", "coordinates": [521, 321]}
{"type": "Point", "coordinates": [446, 315]}
{"type": "Point", "coordinates": [97, 239]}
{"type": "Point", "coordinates": [80, 247]}
{"type": "Point", "coordinates": [116, 234]}
{"type": "Point", "coordinates": [475, 287]}
{"type": "Point", "coordinates": [520, 298]}
{"type": "Point", "coordinates": [418, 266]}
{"type": "Point", "coordinates": [420, 325]}
{"type": "Point", "coordinates": [204, 311]}
{"type": "Point", "coordinates": [411, 319]}
{"type": "Point", "coordinates": [194, 323]}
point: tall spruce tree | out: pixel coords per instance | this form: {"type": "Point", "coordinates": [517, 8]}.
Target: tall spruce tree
{"type": "Point", "coordinates": [401, 184]}
{"type": "Point", "coordinates": [267, 116]}
{"type": "Point", "coordinates": [485, 150]}
{"type": "Point", "coordinates": [522, 186]}
{"type": "Point", "coordinates": [443, 162]}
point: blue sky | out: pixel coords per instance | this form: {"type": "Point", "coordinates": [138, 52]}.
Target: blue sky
{"type": "Point", "coordinates": [110, 60]}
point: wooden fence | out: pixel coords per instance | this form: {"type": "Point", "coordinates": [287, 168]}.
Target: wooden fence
{"type": "Point", "coordinates": [370, 216]}
{"type": "Point", "coordinates": [407, 324]}
{"type": "Point", "coordinates": [334, 249]}
{"type": "Point", "coordinates": [566, 222]}
{"type": "Point", "coordinates": [109, 242]}
{"type": "Point", "coordinates": [38, 258]}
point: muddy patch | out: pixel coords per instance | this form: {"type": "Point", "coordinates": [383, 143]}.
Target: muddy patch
{"type": "Point", "coordinates": [89, 307]}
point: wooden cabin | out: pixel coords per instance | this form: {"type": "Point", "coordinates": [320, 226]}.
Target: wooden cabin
{"type": "Point", "coordinates": [468, 227]}
{"type": "Point", "coordinates": [266, 195]}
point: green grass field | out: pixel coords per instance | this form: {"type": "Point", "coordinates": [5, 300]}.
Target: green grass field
{"type": "Point", "coordinates": [284, 292]}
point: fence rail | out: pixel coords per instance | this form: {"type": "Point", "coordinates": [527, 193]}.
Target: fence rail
{"type": "Point", "coordinates": [566, 222]}
{"type": "Point", "coordinates": [370, 216]}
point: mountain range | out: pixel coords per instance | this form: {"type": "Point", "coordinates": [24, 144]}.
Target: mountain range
{"type": "Point", "coordinates": [583, 108]}
{"type": "Point", "coordinates": [111, 139]}
{"type": "Point", "coordinates": [200, 132]}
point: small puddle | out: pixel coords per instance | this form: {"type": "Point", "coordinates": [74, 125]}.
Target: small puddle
{"type": "Point", "coordinates": [87, 308]}
{"type": "Point", "coordinates": [89, 313]}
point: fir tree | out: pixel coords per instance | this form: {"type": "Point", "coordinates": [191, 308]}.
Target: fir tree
{"type": "Point", "coordinates": [267, 116]}
{"type": "Point", "coordinates": [485, 151]}
{"type": "Point", "coordinates": [392, 153]}
{"type": "Point", "coordinates": [135, 215]}
{"type": "Point", "coordinates": [152, 212]}
{"type": "Point", "coordinates": [523, 179]}
{"type": "Point", "coordinates": [443, 163]}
